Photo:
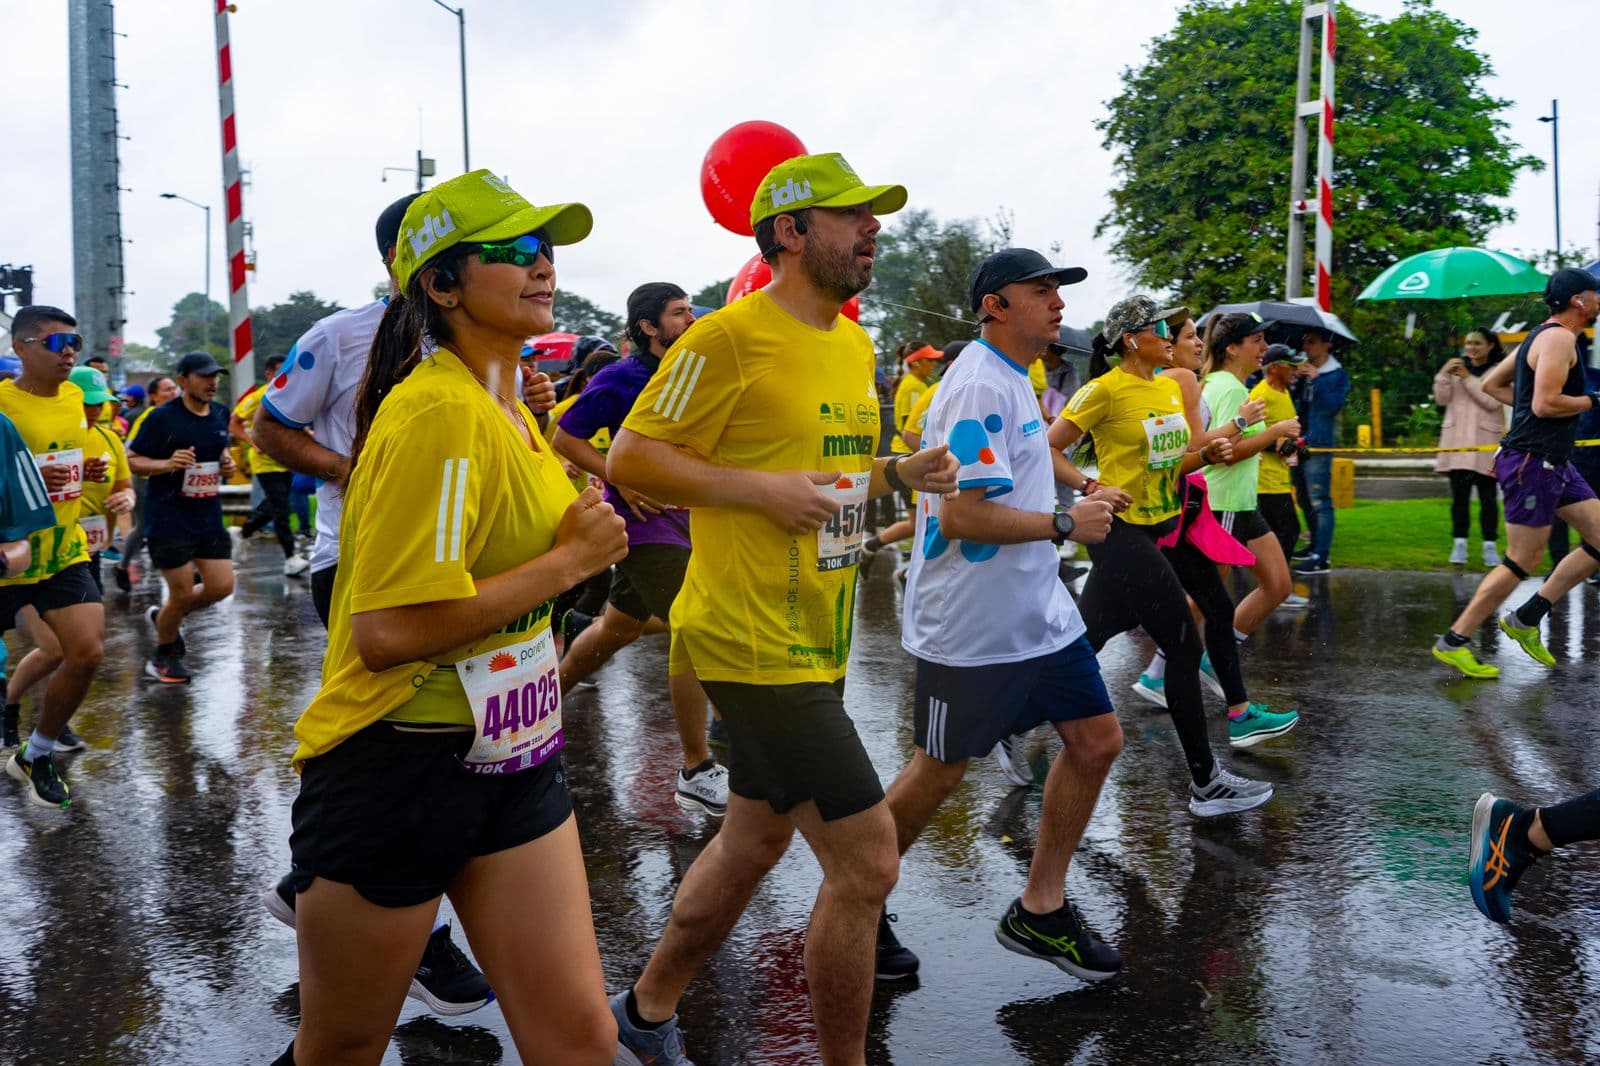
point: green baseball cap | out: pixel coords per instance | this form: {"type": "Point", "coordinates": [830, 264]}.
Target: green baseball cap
{"type": "Point", "coordinates": [478, 208]}
{"type": "Point", "coordinates": [92, 382]}
{"type": "Point", "coordinates": [820, 181]}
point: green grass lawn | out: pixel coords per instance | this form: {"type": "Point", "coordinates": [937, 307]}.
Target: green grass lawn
{"type": "Point", "coordinates": [1403, 535]}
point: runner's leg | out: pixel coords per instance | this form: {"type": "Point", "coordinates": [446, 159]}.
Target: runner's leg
{"type": "Point", "coordinates": [1272, 576]}
{"type": "Point", "coordinates": [80, 630]}
{"type": "Point", "coordinates": [595, 646]}
{"type": "Point", "coordinates": [1071, 790]}
{"type": "Point", "coordinates": [1524, 546]}
{"type": "Point", "coordinates": [276, 486]}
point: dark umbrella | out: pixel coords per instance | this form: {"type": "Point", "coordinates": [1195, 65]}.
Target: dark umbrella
{"type": "Point", "coordinates": [1287, 318]}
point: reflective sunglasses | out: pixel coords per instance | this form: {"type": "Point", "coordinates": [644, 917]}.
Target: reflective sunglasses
{"type": "Point", "coordinates": [59, 342]}
{"type": "Point", "coordinates": [524, 251]}
{"type": "Point", "coordinates": [1159, 328]}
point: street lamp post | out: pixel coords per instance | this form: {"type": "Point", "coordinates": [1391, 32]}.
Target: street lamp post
{"type": "Point", "coordinates": [205, 315]}
{"type": "Point", "coordinates": [1554, 118]}
{"type": "Point", "coordinates": [461, 26]}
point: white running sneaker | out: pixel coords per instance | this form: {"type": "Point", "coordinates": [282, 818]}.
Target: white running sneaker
{"type": "Point", "coordinates": [1011, 753]}
{"type": "Point", "coordinates": [1491, 554]}
{"type": "Point", "coordinates": [295, 565]}
{"type": "Point", "coordinates": [706, 791]}
{"type": "Point", "coordinates": [1294, 602]}
{"type": "Point", "coordinates": [1227, 793]}
{"type": "Point", "coordinates": [1458, 551]}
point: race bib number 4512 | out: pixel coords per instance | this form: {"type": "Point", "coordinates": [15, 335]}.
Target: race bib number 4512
{"type": "Point", "coordinates": [839, 540]}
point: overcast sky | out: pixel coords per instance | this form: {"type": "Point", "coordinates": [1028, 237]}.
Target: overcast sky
{"type": "Point", "coordinates": [615, 103]}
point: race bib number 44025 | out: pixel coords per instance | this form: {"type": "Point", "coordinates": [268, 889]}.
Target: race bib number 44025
{"type": "Point", "coordinates": [515, 694]}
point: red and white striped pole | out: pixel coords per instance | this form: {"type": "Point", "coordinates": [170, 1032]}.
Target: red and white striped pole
{"type": "Point", "coordinates": [1325, 170]}
{"type": "Point", "coordinates": [240, 342]}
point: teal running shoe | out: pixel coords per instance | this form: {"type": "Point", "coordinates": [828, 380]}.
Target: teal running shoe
{"type": "Point", "coordinates": [1208, 674]}
{"type": "Point", "coordinates": [1499, 858]}
{"type": "Point", "coordinates": [1259, 722]}
{"type": "Point", "coordinates": [1151, 689]}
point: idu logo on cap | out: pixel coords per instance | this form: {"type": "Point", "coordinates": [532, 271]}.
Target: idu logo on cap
{"type": "Point", "coordinates": [433, 227]}
{"type": "Point", "coordinates": [790, 193]}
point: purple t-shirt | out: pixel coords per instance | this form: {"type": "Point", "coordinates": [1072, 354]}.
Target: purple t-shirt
{"type": "Point", "coordinates": [603, 404]}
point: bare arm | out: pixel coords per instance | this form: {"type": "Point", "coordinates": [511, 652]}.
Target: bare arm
{"type": "Point", "coordinates": [297, 449]}
{"type": "Point", "coordinates": [580, 453]}
{"type": "Point", "coordinates": [237, 431]}
{"type": "Point", "coordinates": [18, 555]}
{"type": "Point", "coordinates": [1497, 382]}
{"type": "Point", "coordinates": [1554, 361]}
{"type": "Point", "coordinates": [183, 457]}
{"type": "Point", "coordinates": [967, 515]}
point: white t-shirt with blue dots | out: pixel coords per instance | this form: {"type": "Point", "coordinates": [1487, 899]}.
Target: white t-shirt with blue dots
{"type": "Point", "coordinates": [970, 604]}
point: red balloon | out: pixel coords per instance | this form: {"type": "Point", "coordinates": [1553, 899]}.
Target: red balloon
{"type": "Point", "coordinates": [752, 276]}
{"type": "Point", "coordinates": [734, 166]}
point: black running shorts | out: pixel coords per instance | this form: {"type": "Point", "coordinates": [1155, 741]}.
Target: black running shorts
{"type": "Point", "coordinates": [648, 580]}
{"type": "Point", "coordinates": [390, 812]}
{"type": "Point", "coordinates": [1245, 526]}
{"type": "Point", "coordinates": [70, 587]}
{"type": "Point", "coordinates": [788, 744]}
{"type": "Point", "coordinates": [171, 554]}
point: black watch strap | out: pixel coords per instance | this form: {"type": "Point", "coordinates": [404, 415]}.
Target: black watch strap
{"type": "Point", "coordinates": [891, 474]}
{"type": "Point", "coordinates": [1064, 524]}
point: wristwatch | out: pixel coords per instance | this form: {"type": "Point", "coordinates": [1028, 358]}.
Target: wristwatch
{"type": "Point", "coordinates": [1064, 524]}
{"type": "Point", "coordinates": [1239, 421]}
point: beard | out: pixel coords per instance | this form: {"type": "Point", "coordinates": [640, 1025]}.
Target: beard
{"type": "Point", "coordinates": [833, 271]}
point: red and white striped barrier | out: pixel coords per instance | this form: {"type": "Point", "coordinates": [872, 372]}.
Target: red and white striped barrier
{"type": "Point", "coordinates": [1325, 171]}
{"type": "Point", "coordinates": [240, 341]}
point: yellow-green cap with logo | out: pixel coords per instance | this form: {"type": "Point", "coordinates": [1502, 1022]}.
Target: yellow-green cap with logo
{"type": "Point", "coordinates": [478, 208]}
{"type": "Point", "coordinates": [820, 181]}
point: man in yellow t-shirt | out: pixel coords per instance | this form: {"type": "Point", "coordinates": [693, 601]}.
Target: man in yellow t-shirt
{"type": "Point", "coordinates": [48, 411]}
{"type": "Point", "coordinates": [112, 494]}
{"type": "Point", "coordinates": [1275, 487]}
{"type": "Point", "coordinates": [763, 420]}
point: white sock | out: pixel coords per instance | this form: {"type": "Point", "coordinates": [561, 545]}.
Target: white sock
{"type": "Point", "coordinates": [1238, 637]}
{"type": "Point", "coordinates": [1157, 670]}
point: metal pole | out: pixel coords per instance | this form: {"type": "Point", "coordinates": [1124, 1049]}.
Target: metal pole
{"type": "Point", "coordinates": [1325, 169]}
{"type": "Point", "coordinates": [241, 342]}
{"type": "Point", "coordinates": [1554, 118]}
{"type": "Point", "coordinates": [461, 29]}
{"type": "Point", "coordinates": [205, 318]}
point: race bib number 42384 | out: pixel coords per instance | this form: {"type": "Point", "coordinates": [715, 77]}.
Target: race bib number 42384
{"type": "Point", "coordinates": [1166, 438]}
{"type": "Point", "coordinates": [839, 541]}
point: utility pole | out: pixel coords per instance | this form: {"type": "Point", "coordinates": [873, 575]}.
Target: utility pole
{"type": "Point", "coordinates": [96, 188]}
{"type": "Point", "coordinates": [1554, 118]}
{"type": "Point", "coordinates": [461, 30]}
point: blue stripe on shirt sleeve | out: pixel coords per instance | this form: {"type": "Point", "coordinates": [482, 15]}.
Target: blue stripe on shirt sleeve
{"type": "Point", "coordinates": [266, 401]}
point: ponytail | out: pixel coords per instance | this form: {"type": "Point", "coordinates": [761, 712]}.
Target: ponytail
{"type": "Point", "coordinates": [1099, 356]}
{"type": "Point", "coordinates": [408, 321]}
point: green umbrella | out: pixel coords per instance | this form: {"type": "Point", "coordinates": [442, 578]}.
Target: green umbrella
{"type": "Point", "coordinates": [1452, 273]}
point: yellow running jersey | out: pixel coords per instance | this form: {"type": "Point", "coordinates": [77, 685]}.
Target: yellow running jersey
{"type": "Point", "coordinates": [754, 388]}
{"type": "Point", "coordinates": [52, 426]}
{"type": "Point", "coordinates": [917, 420]}
{"type": "Point", "coordinates": [441, 449]}
{"type": "Point", "coordinates": [601, 440]}
{"type": "Point", "coordinates": [1274, 473]}
{"type": "Point", "coordinates": [260, 461]}
{"type": "Point", "coordinates": [1140, 436]}
{"type": "Point", "coordinates": [106, 445]}
{"type": "Point", "coordinates": [906, 394]}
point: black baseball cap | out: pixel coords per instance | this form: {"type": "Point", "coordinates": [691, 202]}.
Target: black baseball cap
{"type": "Point", "coordinates": [1282, 353]}
{"type": "Point", "coordinates": [1011, 265]}
{"type": "Point", "coordinates": [1566, 283]}
{"type": "Point", "coordinates": [389, 223]}
{"type": "Point", "coordinates": [199, 363]}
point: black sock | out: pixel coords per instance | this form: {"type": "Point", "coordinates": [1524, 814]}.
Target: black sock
{"type": "Point", "coordinates": [1454, 639]}
{"type": "Point", "coordinates": [635, 1019]}
{"type": "Point", "coordinates": [1533, 612]}
{"type": "Point", "coordinates": [702, 768]}
{"type": "Point", "coordinates": [167, 649]}
{"type": "Point", "coordinates": [13, 711]}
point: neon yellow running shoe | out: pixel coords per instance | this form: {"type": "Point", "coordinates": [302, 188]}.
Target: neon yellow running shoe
{"type": "Point", "coordinates": [1463, 659]}
{"type": "Point", "coordinates": [1527, 637]}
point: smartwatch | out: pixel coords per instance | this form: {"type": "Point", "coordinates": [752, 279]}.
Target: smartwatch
{"type": "Point", "coordinates": [1239, 421]}
{"type": "Point", "coordinates": [1594, 401]}
{"type": "Point", "coordinates": [1064, 524]}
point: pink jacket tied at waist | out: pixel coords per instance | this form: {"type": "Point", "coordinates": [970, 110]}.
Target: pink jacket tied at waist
{"type": "Point", "coordinates": [1471, 416]}
{"type": "Point", "coordinates": [1198, 526]}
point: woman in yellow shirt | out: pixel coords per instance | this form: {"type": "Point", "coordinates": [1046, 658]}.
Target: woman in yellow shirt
{"type": "Point", "coordinates": [1144, 445]}
{"type": "Point", "coordinates": [430, 757]}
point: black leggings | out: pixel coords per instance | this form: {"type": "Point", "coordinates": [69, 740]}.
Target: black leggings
{"type": "Point", "coordinates": [1573, 820]}
{"type": "Point", "coordinates": [1462, 482]}
{"type": "Point", "coordinates": [1134, 583]}
{"type": "Point", "coordinates": [274, 508]}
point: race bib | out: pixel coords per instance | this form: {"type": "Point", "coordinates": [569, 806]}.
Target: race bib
{"type": "Point", "coordinates": [202, 480]}
{"type": "Point", "coordinates": [1166, 438]}
{"type": "Point", "coordinates": [515, 694]}
{"type": "Point", "coordinates": [72, 459]}
{"type": "Point", "coordinates": [839, 541]}
{"type": "Point", "coordinates": [96, 532]}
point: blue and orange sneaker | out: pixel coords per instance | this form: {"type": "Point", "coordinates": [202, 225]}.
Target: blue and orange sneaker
{"type": "Point", "coordinates": [1499, 856]}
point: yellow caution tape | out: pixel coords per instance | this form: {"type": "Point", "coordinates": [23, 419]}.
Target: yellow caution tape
{"type": "Point", "coordinates": [1427, 451]}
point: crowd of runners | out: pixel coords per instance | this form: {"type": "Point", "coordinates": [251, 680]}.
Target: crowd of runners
{"type": "Point", "coordinates": [485, 540]}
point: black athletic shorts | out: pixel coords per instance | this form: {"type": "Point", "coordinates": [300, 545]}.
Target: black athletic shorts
{"type": "Point", "coordinates": [1245, 526]}
{"type": "Point", "coordinates": [648, 580]}
{"type": "Point", "coordinates": [791, 743]}
{"type": "Point", "coordinates": [391, 812]}
{"type": "Point", "coordinates": [322, 591]}
{"type": "Point", "coordinates": [171, 554]}
{"type": "Point", "coordinates": [70, 587]}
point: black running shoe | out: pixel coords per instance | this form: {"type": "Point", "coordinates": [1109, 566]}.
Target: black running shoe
{"type": "Point", "coordinates": [446, 980]}
{"type": "Point", "coordinates": [573, 623]}
{"type": "Point", "coordinates": [46, 786]}
{"type": "Point", "coordinates": [895, 961]}
{"type": "Point", "coordinates": [67, 740]}
{"type": "Point", "coordinates": [181, 648]}
{"type": "Point", "coordinates": [167, 669]}
{"type": "Point", "coordinates": [12, 729]}
{"type": "Point", "coordinates": [1059, 939]}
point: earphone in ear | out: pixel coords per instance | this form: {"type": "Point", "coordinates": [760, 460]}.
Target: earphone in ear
{"type": "Point", "coordinates": [1003, 301]}
{"type": "Point", "coordinates": [799, 224]}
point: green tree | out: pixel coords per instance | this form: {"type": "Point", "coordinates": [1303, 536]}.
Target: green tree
{"type": "Point", "coordinates": [921, 276]}
{"type": "Point", "coordinates": [712, 295]}
{"type": "Point", "coordinates": [187, 330]}
{"type": "Point", "coordinates": [275, 329]}
{"type": "Point", "coordinates": [574, 314]}
{"type": "Point", "coordinates": [1203, 133]}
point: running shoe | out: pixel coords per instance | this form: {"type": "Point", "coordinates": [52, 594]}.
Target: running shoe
{"type": "Point", "coordinates": [294, 566]}
{"type": "Point", "coordinates": [1011, 753]}
{"type": "Point", "coordinates": [1059, 939]}
{"type": "Point", "coordinates": [895, 961]}
{"type": "Point", "coordinates": [1294, 602]}
{"type": "Point", "coordinates": [1227, 793]}
{"type": "Point", "coordinates": [446, 980]}
{"type": "Point", "coordinates": [1491, 554]}
{"type": "Point", "coordinates": [111, 555]}
{"type": "Point", "coordinates": [869, 555]}
{"type": "Point", "coordinates": [1259, 722]}
{"type": "Point", "coordinates": [167, 669]}
{"type": "Point", "coordinates": [119, 574]}
{"type": "Point", "coordinates": [661, 1046]}
{"type": "Point", "coordinates": [1462, 659]}
{"type": "Point", "coordinates": [1312, 565]}
{"type": "Point", "coordinates": [573, 623]}
{"type": "Point", "coordinates": [717, 733]}
{"type": "Point", "coordinates": [67, 740]}
{"type": "Point", "coordinates": [1527, 637]}
{"type": "Point", "coordinates": [1499, 858]}
{"type": "Point", "coordinates": [279, 900]}
{"type": "Point", "coordinates": [1208, 675]}
{"type": "Point", "coordinates": [1458, 551]}
{"type": "Point", "coordinates": [150, 616]}
{"type": "Point", "coordinates": [1302, 551]}
{"type": "Point", "coordinates": [12, 728]}
{"type": "Point", "coordinates": [46, 786]}
{"type": "Point", "coordinates": [704, 790]}
{"type": "Point", "coordinates": [1153, 689]}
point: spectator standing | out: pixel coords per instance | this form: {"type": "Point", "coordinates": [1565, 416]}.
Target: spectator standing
{"type": "Point", "coordinates": [1471, 417]}
{"type": "Point", "coordinates": [1324, 397]}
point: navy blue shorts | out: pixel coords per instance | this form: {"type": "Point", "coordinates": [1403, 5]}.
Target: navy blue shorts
{"type": "Point", "coordinates": [963, 711]}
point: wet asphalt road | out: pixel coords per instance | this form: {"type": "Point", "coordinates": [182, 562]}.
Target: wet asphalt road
{"type": "Point", "coordinates": [1333, 925]}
